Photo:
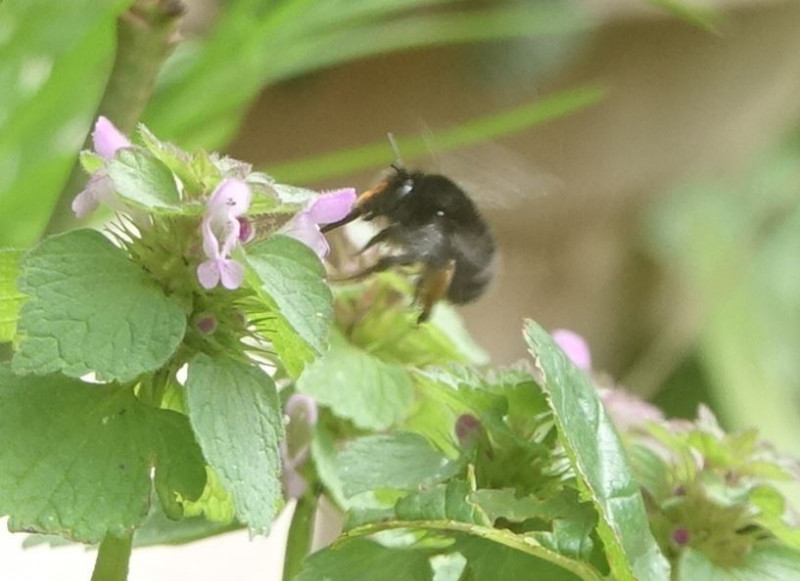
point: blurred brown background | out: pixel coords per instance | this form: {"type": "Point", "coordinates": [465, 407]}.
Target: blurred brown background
{"type": "Point", "coordinates": [681, 101]}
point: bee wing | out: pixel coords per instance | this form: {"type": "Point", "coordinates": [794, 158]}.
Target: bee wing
{"type": "Point", "coordinates": [495, 176]}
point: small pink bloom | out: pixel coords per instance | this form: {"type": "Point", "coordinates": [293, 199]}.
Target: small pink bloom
{"type": "Point", "coordinates": [575, 348]}
{"type": "Point", "coordinates": [627, 410]}
{"type": "Point", "coordinates": [324, 209]}
{"type": "Point", "coordinates": [107, 139]}
{"type": "Point", "coordinates": [98, 189]}
{"type": "Point", "coordinates": [246, 230]}
{"type": "Point", "coordinates": [231, 198]}
{"type": "Point", "coordinates": [221, 230]}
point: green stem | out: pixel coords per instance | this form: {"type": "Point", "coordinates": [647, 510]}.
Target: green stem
{"type": "Point", "coordinates": [146, 34]}
{"type": "Point", "coordinates": [301, 532]}
{"type": "Point", "coordinates": [112, 558]}
{"type": "Point", "coordinates": [527, 545]}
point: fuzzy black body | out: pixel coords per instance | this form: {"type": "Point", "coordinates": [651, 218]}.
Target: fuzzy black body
{"type": "Point", "coordinates": [432, 222]}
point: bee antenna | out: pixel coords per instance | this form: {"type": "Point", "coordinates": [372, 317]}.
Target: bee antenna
{"type": "Point", "coordinates": [398, 164]}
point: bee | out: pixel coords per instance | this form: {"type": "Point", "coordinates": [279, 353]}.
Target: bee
{"type": "Point", "coordinates": [433, 223]}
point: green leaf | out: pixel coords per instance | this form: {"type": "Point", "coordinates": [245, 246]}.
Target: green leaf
{"type": "Point", "coordinates": [290, 279]}
{"type": "Point", "coordinates": [489, 561]}
{"type": "Point", "coordinates": [597, 455]}
{"type": "Point", "coordinates": [235, 413]}
{"type": "Point", "coordinates": [10, 297]}
{"type": "Point", "coordinates": [401, 461]}
{"type": "Point", "coordinates": [357, 386]}
{"type": "Point", "coordinates": [176, 160]}
{"type": "Point", "coordinates": [449, 501]}
{"type": "Point", "coordinates": [215, 504]}
{"type": "Point", "coordinates": [767, 561]}
{"type": "Point", "coordinates": [143, 179]}
{"type": "Point", "coordinates": [504, 503]}
{"type": "Point", "coordinates": [363, 560]}
{"type": "Point", "coordinates": [76, 458]}
{"type": "Point", "coordinates": [91, 309]}
{"type": "Point", "coordinates": [388, 329]}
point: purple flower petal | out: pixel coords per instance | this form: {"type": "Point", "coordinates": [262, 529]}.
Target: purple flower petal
{"type": "Point", "coordinates": [208, 274]}
{"type": "Point", "coordinates": [231, 199]}
{"type": "Point", "coordinates": [107, 138]}
{"type": "Point", "coordinates": [302, 228]}
{"type": "Point", "coordinates": [293, 483]}
{"type": "Point", "coordinates": [302, 407]}
{"type": "Point", "coordinates": [246, 230]}
{"type": "Point", "coordinates": [231, 273]}
{"type": "Point", "coordinates": [575, 348]}
{"type": "Point", "coordinates": [331, 206]}
{"type": "Point", "coordinates": [98, 189]}
{"type": "Point", "coordinates": [628, 411]}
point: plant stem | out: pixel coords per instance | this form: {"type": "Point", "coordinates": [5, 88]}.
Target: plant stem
{"type": "Point", "coordinates": [112, 558]}
{"type": "Point", "coordinates": [301, 531]}
{"type": "Point", "coordinates": [146, 34]}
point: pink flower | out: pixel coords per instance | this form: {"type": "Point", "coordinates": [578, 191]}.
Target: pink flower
{"type": "Point", "coordinates": [327, 208]}
{"type": "Point", "coordinates": [107, 141]}
{"type": "Point", "coordinates": [626, 410]}
{"type": "Point", "coordinates": [575, 347]}
{"type": "Point", "coordinates": [220, 230]}
{"type": "Point", "coordinates": [303, 414]}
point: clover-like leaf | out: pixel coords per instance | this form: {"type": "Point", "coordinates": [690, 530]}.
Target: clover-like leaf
{"type": "Point", "coordinates": [597, 455]}
{"type": "Point", "coordinates": [235, 413]}
{"type": "Point", "coordinates": [90, 309]}
{"type": "Point", "coordinates": [76, 458]}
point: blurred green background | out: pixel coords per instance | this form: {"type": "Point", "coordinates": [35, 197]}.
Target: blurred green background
{"type": "Point", "coordinates": [637, 159]}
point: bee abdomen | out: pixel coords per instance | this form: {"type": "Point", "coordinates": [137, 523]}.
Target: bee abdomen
{"type": "Point", "coordinates": [468, 284]}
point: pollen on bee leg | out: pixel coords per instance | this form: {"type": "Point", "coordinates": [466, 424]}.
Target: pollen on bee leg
{"type": "Point", "coordinates": [432, 287]}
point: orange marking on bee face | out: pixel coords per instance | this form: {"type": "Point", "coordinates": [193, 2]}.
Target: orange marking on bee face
{"type": "Point", "coordinates": [377, 189]}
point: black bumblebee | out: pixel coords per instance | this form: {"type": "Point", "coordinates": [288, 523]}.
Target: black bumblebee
{"type": "Point", "coordinates": [433, 223]}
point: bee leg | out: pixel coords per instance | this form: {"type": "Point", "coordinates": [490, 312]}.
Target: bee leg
{"type": "Point", "coordinates": [384, 263]}
{"type": "Point", "coordinates": [382, 236]}
{"type": "Point", "coordinates": [432, 287]}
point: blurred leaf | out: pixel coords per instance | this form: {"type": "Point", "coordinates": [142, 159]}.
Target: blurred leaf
{"type": "Point", "coordinates": [735, 243]}
{"type": "Point", "coordinates": [450, 501]}
{"type": "Point", "coordinates": [400, 461]}
{"type": "Point", "coordinates": [92, 310]}
{"type": "Point", "coordinates": [364, 560]}
{"type": "Point", "coordinates": [309, 35]}
{"type": "Point", "coordinates": [235, 413]}
{"type": "Point", "coordinates": [765, 561]}
{"type": "Point", "coordinates": [465, 134]}
{"type": "Point", "coordinates": [54, 58]}
{"type": "Point", "coordinates": [489, 561]}
{"type": "Point", "coordinates": [77, 458]}
{"type": "Point", "coordinates": [10, 297]}
{"type": "Point", "coordinates": [358, 386]}
{"type": "Point", "coordinates": [702, 16]}
{"type": "Point", "coordinates": [379, 319]}
{"type": "Point", "coordinates": [599, 460]}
